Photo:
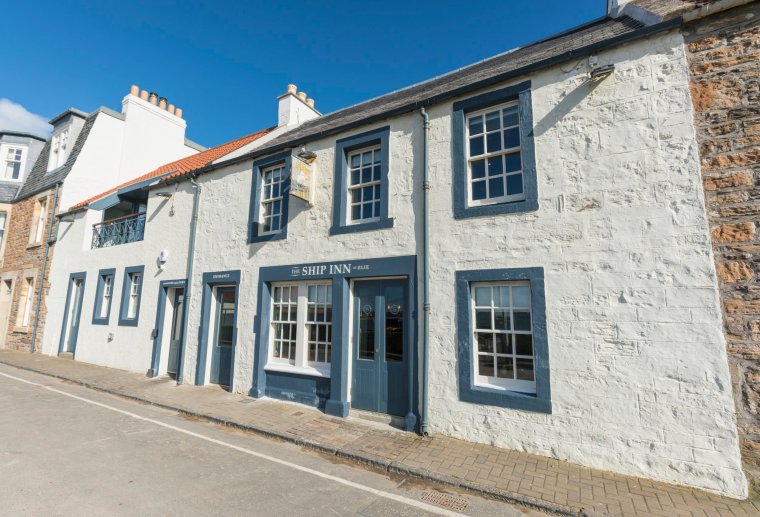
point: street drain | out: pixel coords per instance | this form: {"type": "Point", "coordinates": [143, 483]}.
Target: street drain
{"type": "Point", "coordinates": [452, 502]}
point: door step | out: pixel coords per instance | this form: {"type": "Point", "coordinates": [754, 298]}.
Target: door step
{"type": "Point", "coordinates": [66, 355]}
{"type": "Point", "coordinates": [380, 418]}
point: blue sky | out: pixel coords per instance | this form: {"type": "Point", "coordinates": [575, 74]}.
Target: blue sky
{"type": "Point", "coordinates": [225, 62]}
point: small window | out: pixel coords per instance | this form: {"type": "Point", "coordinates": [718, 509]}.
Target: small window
{"type": "Point", "coordinates": [301, 326]}
{"type": "Point", "coordinates": [24, 314]}
{"type": "Point", "coordinates": [270, 196]}
{"type": "Point", "coordinates": [361, 183]}
{"type": "Point", "coordinates": [13, 162]}
{"type": "Point", "coordinates": [58, 149]}
{"type": "Point", "coordinates": [103, 297]}
{"type": "Point", "coordinates": [39, 217]}
{"type": "Point", "coordinates": [273, 183]}
{"type": "Point", "coordinates": [130, 296]}
{"type": "Point", "coordinates": [3, 219]}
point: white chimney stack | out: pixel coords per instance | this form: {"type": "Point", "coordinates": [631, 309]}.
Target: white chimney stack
{"type": "Point", "coordinates": [295, 108]}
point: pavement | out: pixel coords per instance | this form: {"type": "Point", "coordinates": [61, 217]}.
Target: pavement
{"type": "Point", "coordinates": [68, 450]}
{"type": "Point", "coordinates": [533, 482]}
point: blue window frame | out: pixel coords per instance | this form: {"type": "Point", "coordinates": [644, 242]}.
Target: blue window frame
{"type": "Point", "coordinates": [101, 314]}
{"type": "Point", "coordinates": [502, 344]}
{"type": "Point", "coordinates": [494, 153]}
{"type": "Point", "coordinates": [270, 196]}
{"type": "Point", "coordinates": [131, 292]}
{"type": "Point", "coordinates": [361, 183]}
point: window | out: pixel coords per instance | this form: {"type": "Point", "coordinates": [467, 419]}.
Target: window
{"type": "Point", "coordinates": [13, 162]}
{"type": "Point", "coordinates": [38, 222]}
{"type": "Point", "coordinates": [24, 314]}
{"type": "Point", "coordinates": [130, 296]}
{"type": "Point", "coordinates": [103, 296]}
{"type": "Point", "coordinates": [494, 158]}
{"type": "Point", "coordinates": [270, 196]}
{"type": "Point", "coordinates": [273, 182]}
{"type": "Point", "coordinates": [3, 219]}
{"type": "Point", "coordinates": [301, 326]}
{"type": "Point", "coordinates": [361, 183]}
{"type": "Point", "coordinates": [58, 148]}
{"type": "Point", "coordinates": [501, 328]}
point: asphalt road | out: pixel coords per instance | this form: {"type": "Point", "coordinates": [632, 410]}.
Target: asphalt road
{"type": "Point", "coordinates": [68, 450]}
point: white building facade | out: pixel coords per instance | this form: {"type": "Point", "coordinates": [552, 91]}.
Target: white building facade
{"type": "Point", "coordinates": [571, 305]}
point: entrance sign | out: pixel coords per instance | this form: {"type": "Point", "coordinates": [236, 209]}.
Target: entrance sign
{"type": "Point", "coordinates": [302, 180]}
{"type": "Point", "coordinates": [333, 269]}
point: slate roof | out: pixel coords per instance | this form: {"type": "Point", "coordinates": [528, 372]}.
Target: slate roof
{"type": "Point", "coordinates": [561, 47]}
{"type": "Point", "coordinates": [182, 167]}
{"type": "Point", "coordinates": [8, 192]}
{"type": "Point", "coordinates": [40, 179]}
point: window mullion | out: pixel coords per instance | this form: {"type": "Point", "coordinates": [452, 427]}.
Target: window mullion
{"type": "Point", "coordinates": [301, 326]}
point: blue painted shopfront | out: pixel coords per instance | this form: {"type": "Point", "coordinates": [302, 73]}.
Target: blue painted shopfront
{"type": "Point", "coordinates": [383, 363]}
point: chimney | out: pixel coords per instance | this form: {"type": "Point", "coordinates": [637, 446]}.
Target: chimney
{"type": "Point", "coordinates": [178, 112]}
{"type": "Point", "coordinates": [162, 103]}
{"type": "Point", "coordinates": [294, 107]}
{"type": "Point", "coordinates": [134, 90]}
{"type": "Point", "coordinates": [144, 95]}
{"type": "Point", "coordinates": [170, 109]}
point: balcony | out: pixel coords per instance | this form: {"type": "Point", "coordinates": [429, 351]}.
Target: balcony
{"type": "Point", "coordinates": [121, 230]}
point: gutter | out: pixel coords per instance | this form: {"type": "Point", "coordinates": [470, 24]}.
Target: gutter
{"type": "Point", "coordinates": [189, 275]}
{"type": "Point", "coordinates": [41, 285]}
{"type": "Point", "coordinates": [436, 99]}
{"type": "Point", "coordinates": [425, 271]}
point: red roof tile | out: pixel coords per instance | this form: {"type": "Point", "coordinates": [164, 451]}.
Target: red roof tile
{"type": "Point", "coordinates": [184, 166]}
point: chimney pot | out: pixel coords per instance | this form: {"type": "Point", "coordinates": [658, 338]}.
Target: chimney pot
{"type": "Point", "coordinates": [171, 108]}
{"type": "Point", "coordinates": [153, 98]}
{"type": "Point", "coordinates": [178, 112]}
{"type": "Point", "coordinates": [162, 103]}
{"type": "Point", "coordinates": [302, 96]}
{"type": "Point", "coordinates": [310, 103]}
{"type": "Point", "coordinates": [144, 95]}
{"type": "Point", "coordinates": [134, 90]}
{"type": "Point", "coordinates": [292, 88]}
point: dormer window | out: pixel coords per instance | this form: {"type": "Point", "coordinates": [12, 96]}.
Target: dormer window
{"type": "Point", "coordinates": [58, 148]}
{"type": "Point", "coordinates": [14, 159]}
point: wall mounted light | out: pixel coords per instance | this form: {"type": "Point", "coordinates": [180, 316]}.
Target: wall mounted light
{"type": "Point", "coordinates": [601, 72]}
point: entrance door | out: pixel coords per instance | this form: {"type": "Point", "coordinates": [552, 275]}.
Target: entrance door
{"type": "Point", "coordinates": [74, 310]}
{"type": "Point", "coordinates": [381, 319]}
{"type": "Point", "coordinates": [6, 295]}
{"type": "Point", "coordinates": [224, 332]}
{"type": "Point", "coordinates": [175, 338]}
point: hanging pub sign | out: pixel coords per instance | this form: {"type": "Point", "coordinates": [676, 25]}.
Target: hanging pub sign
{"type": "Point", "coordinates": [302, 180]}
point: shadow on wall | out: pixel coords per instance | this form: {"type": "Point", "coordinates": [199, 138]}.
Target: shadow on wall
{"type": "Point", "coordinates": [566, 105]}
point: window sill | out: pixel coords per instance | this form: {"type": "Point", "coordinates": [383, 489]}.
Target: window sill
{"type": "Point", "coordinates": [21, 330]}
{"type": "Point", "coordinates": [281, 235]}
{"type": "Point", "coordinates": [132, 322]}
{"type": "Point", "coordinates": [362, 227]}
{"type": "Point", "coordinates": [528, 205]}
{"type": "Point", "coordinates": [490, 396]}
{"type": "Point", "coordinates": [298, 370]}
{"type": "Point", "coordinates": [33, 245]}
{"type": "Point", "coordinates": [100, 321]}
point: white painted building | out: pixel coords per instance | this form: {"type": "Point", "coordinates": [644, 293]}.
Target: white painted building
{"type": "Point", "coordinates": [573, 308]}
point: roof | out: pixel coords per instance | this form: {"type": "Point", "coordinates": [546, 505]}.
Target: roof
{"type": "Point", "coordinates": [40, 178]}
{"type": "Point", "coordinates": [21, 134]}
{"type": "Point", "coordinates": [78, 113]}
{"type": "Point", "coordinates": [559, 48]}
{"type": "Point", "coordinates": [182, 167]}
{"type": "Point", "coordinates": [7, 192]}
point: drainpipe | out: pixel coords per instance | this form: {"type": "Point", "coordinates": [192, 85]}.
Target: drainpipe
{"type": "Point", "coordinates": [425, 271]}
{"type": "Point", "coordinates": [189, 276]}
{"type": "Point", "coordinates": [41, 285]}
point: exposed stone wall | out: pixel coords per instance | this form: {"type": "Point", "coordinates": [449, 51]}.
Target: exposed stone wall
{"type": "Point", "coordinates": [723, 53]}
{"type": "Point", "coordinates": [22, 260]}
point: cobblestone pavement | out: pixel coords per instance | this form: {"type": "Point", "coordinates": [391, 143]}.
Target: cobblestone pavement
{"type": "Point", "coordinates": [517, 477]}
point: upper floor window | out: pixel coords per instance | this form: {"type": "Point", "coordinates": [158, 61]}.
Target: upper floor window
{"type": "Point", "coordinates": [58, 148]}
{"type": "Point", "coordinates": [361, 182]}
{"type": "Point", "coordinates": [130, 295]}
{"type": "Point", "coordinates": [270, 196]}
{"type": "Point", "coordinates": [3, 219]}
{"type": "Point", "coordinates": [13, 163]}
{"type": "Point", "coordinates": [38, 221]}
{"type": "Point", "coordinates": [494, 158]}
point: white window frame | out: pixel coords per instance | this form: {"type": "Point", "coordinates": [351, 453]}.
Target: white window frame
{"type": "Point", "coordinates": [4, 153]}
{"type": "Point", "coordinates": [40, 217]}
{"type": "Point", "coordinates": [3, 222]}
{"type": "Point", "coordinates": [300, 363]}
{"type": "Point", "coordinates": [486, 155]}
{"type": "Point", "coordinates": [271, 200]}
{"type": "Point", "coordinates": [374, 183]}
{"type": "Point", "coordinates": [28, 301]}
{"type": "Point", "coordinates": [519, 385]}
{"type": "Point", "coordinates": [105, 296]}
{"type": "Point", "coordinates": [59, 145]}
{"type": "Point", "coordinates": [133, 304]}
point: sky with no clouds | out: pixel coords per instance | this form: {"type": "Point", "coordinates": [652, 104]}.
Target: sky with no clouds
{"type": "Point", "coordinates": [226, 62]}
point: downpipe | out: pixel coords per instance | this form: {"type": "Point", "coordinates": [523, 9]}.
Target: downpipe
{"type": "Point", "coordinates": [425, 271]}
{"type": "Point", "coordinates": [189, 277]}
{"type": "Point", "coordinates": [41, 286]}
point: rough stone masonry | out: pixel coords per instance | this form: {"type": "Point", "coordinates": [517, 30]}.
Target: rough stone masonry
{"type": "Point", "coordinates": [724, 58]}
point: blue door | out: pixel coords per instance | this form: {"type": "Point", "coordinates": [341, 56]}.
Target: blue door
{"type": "Point", "coordinates": [224, 334]}
{"type": "Point", "coordinates": [381, 348]}
{"type": "Point", "coordinates": [176, 332]}
{"type": "Point", "coordinates": [76, 289]}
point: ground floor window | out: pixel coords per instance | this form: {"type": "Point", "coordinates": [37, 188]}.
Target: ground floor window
{"type": "Point", "coordinates": [301, 325]}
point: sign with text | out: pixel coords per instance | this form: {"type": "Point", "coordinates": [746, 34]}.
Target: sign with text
{"type": "Point", "coordinates": [302, 180]}
{"type": "Point", "coordinates": [336, 269]}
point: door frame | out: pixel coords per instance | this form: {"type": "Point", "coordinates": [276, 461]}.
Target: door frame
{"type": "Point", "coordinates": [158, 331]}
{"type": "Point", "coordinates": [4, 325]}
{"type": "Point", "coordinates": [82, 275]}
{"type": "Point", "coordinates": [210, 281]}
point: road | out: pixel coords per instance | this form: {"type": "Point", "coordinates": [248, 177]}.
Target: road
{"type": "Point", "coordinates": [68, 450]}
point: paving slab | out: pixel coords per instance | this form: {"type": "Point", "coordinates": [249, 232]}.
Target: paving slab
{"type": "Point", "coordinates": [535, 481]}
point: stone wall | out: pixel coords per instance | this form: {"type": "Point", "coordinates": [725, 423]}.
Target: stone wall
{"type": "Point", "coordinates": [22, 260]}
{"type": "Point", "coordinates": [723, 54]}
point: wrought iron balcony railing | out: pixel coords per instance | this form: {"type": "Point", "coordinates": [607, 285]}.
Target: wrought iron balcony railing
{"type": "Point", "coordinates": [121, 230]}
